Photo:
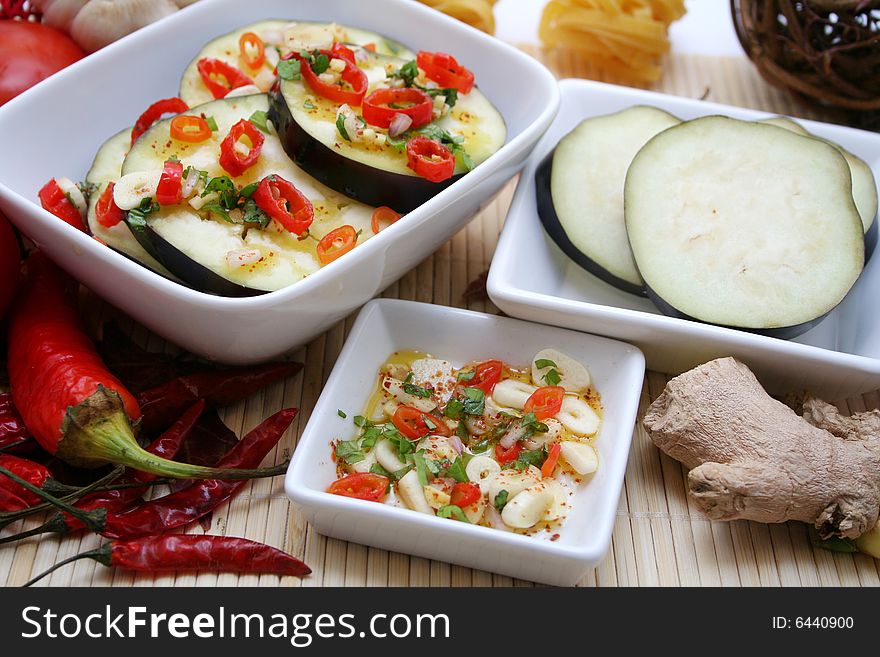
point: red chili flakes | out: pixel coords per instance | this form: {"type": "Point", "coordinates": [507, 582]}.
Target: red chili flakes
{"type": "Point", "coordinates": [555, 537]}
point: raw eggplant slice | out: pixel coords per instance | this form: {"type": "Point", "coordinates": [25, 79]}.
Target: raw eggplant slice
{"type": "Point", "coordinates": [107, 168]}
{"type": "Point", "coordinates": [743, 225]}
{"type": "Point", "coordinates": [376, 172]}
{"type": "Point", "coordinates": [579, 188]}
{"type": "Point", "coordinates": [864, 187]}
{"type": "Point", "coordinates": [273, 33]}
{"type": "Point", "coordinates": [199, 247]}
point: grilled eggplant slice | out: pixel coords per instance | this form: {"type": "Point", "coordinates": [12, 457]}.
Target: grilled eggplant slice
{"type": "Point", "coordinates": [201, 247]}
{"type": "Point", "coordinates": [281, 35]}
{"type": "Point", "coordinates": [375, 171]}
{"type": "Point", "coordinates": [579, 188]}
{"type": "Point", "coordinates": [743, 225]}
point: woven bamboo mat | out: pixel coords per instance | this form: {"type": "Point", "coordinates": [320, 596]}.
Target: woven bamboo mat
{"type": "Point", "coordinates": [660, 538]}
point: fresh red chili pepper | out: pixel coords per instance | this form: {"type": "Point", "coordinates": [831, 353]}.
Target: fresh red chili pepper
{"type": "Point", "coordinates": [53, 199]}
{"type": "Point", "coordinates": [552, 459]}
{"type": "Point", "coordinates": [231, 160]}
{"type": "Point", "coordinates": [443, 69]}
{"type": "Point", "coordinates": [169, 190]}
{"type": "Point", "coordinates": [352, 75]}
{"type": "Point", "coordinates": [507, 455]}
{"type": "Point", "coordinates": [252, 50]}
{"type": "Point", "coordinates": [155, 112]}
{"type": "Point", "coordinates": [414, 103]}
{"type": "Point", "coordinates": [70, 403]}
{"type": "Point", "coordinates": [545, 402]}
{"type": "Point", "coordinates": [284, 203]}
{"type": "Point", "coordinates": [486, 375]}
{"type": "Point", "coordinates": [107, 212]}
{"type": "Point", "coordinates": [220, 77]}
{"type": "Point", "coordinates": [12, 429]}
{"type": "Point", "coordinates": [336, 244]}
{"type": "Point", "coordinates": [361, 485]}
{"type": "Point", "coordinates": [10, 502]}
{"type": "Point", "coordinates": [10, 263]}
{"type": "Point", "coordinates": [119, 500]}
{"type": "Point", "coordinates": [383, 215]}
{"type": "Point", "coordinates": [430, 159]}
{"type": "Point", "coordinates": [30, 471]}
{"type": "Point", "coordinates": [190, 129]}
{"type": "Point", "coordinates": [342, 52]}
{"type": "Point", "coordinates": [413, 423]}
{"type": "Point", "coordinates": [160, 405]}
{"type": "Point", "coordinates": [189, 552]}
{"type": "Point", "coordinates": [464, 494]}
{"type": "Point", "coordinates": [201, 497]}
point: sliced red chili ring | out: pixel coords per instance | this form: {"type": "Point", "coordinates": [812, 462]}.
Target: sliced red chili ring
{"type": "Point", "coordinates": [545, 402]}
{"type": "Point", "coordinates": [508, 455]}
{"type": "Point", "coordinates": [351, 74]}
{"type": "Point", "coordinates": [414, 103]}
{"type": "Point", "coordinates": [107, 212]}
{"type": "Point", "coordinates": [216, 72]}
{"type": "Point", "coordinates": [154, 112]}
{"type": "Point", "coordinates": [191, 129]}
{"type": "Point", "coordinates": [252, 50]}
{"type": "Point", "coordinates": [464, 494]}
{"type": "Point", "coordinates": [53, 199]}
{"type": "Point", "coordinates": [169, 191]}
{"type": "Point", "coordinates": [234, 162]}
{"type": "Point", "coordinates": [430, 159]}
{"type": "Point", "coordinates": [486, 376]}
{"type": "Point", "coordinates": [552, 460]}
{"type": "Point", "coordinates": [443, 69]}
{"type": "Point", "coordinates": [362, 485]}
{"type": "Point", "coordinates": [413, 423]}
{"type": "Point", "coordinates": [383, 215]}
{"type": "Point", "coordinates": [336, 244]}
{"type": "Point", "coordinates": [343, 52]}
{"type": "Point", "coordinates": [284, 203]}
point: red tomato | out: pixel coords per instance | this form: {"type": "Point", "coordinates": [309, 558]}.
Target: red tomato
{"type": "Point", "coordinates": [507, 455]}
{"type": "Point", "coordinates": [363, 485]}
{"type": "Point", "coordinates": [465, 494]}
{"type": "Point", "coordinates": [10, 262]}
{"type": "Point", "coordinates": [486, 376]}
{"type": "Point", "coordinates": [411, 423]}
{"type": "Point", "coordinates": [169, 191]}
{"type": "Point", "coordinates": [31, 52]}
{"type": "Point", "coordinates": [545, 402]}
{"type": "Point", "coordinates": [443, 69]}
{"type": "Point", "coordinates": [106, 211]}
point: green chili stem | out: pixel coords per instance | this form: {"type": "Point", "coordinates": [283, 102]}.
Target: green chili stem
{"type": "Point", "coordinates": [101, 554]}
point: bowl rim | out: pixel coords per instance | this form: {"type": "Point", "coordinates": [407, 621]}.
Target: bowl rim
{"type": "Point", "coordinates": [592, 546]}
{"type": "Point", "coordinates": [337, 269]}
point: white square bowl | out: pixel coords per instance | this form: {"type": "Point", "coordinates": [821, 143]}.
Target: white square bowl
{"type": "Point", "coordinates": [836, 359]}
{"type": "Point", "coordinates": [55, 129]}
{"type": "Point", "coordinates": [385, 326]}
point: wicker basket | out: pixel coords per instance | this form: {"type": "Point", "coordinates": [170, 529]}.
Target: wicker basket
{"type": "Point", "coordinates": [827, 51]}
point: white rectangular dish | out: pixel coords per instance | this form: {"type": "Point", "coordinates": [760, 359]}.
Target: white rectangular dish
{"type": "Point", "coordinates": [532, 279]}
{"type": "Point", "coordinates": [460, 336]}
{"type": "Point", "coordinates": [55, 129]}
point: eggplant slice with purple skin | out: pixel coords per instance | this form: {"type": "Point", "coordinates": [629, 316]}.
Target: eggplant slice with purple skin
{"type": "Point", "coordinates": [743, 225]}
{"type": "Point", "coordinates": [579, 188]}
{"type": "Point", "coordinates": [374, 171]}
{"type": "Point", "coordinates": [201, 245]}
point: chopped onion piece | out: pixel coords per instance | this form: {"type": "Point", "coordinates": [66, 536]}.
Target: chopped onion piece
{"type": "Point", "coordinates": [399, 124]}
{"type": "Point", "coordinates": [189, 183]}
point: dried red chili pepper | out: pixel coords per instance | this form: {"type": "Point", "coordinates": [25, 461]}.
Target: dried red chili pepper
{"type": "Point", "coordinates": [72, 405]}
{"type": "Point", "coordinates": [188, 552]}
{"type": "Point", "coordinates": [35, 473]}
{"type": "Point", "coordinates": [160, 405]}
{"type": "Point", "coordinates": [13, 433]}
{"type": "Point", "coordinates": [191, 503]}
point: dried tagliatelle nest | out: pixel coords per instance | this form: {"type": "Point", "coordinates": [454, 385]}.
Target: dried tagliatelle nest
{"type": "Point", "coordinates": [477, 13]}
{"type": "Point", "coordinates": [625, 38]}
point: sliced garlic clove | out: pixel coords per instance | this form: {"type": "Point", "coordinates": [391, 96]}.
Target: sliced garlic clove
{"type": "Point", "coordinates": [580, 456]}
{"type": "Point", "coordinates": [386, 454]}
{"type": "Point", "coordinates": [410, 490]}
{"type": "Point", "coordinates": [512, 393]}
{"type": "Point", "coordinates": [578, 416]}
{"type": "Point", "coordinates": [528, 507]}
{"type": "Point", "coordinates": [482, 470]}
{"type": "Point", "coordinates": [394, 387]}
{"type": "Point", "coordinates": [132, 188]}
{"type": "Point", "coordinates": [513, 481]}
{"type": "Point", "coordinates": [474, 512]}
{"type": "Point", "coordinates": [366, 464]}
{"type": "Point", "coordinates": [554, 432]}
{"type": "Point", "coordinates": [435, 497]}
{"type": "Point", "coordinates": [574, 377]}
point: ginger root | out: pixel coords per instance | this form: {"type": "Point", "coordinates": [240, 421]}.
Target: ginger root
{"type": "Point", "coordinates": [751, 457]}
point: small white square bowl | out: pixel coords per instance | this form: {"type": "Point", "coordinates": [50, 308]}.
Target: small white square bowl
{"type": "Point", "coordinates": [385, 326]}
{"type": "Point", "coordinates": [837, 359]}
{"type": "Point", "coordinates": [55, 129]}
